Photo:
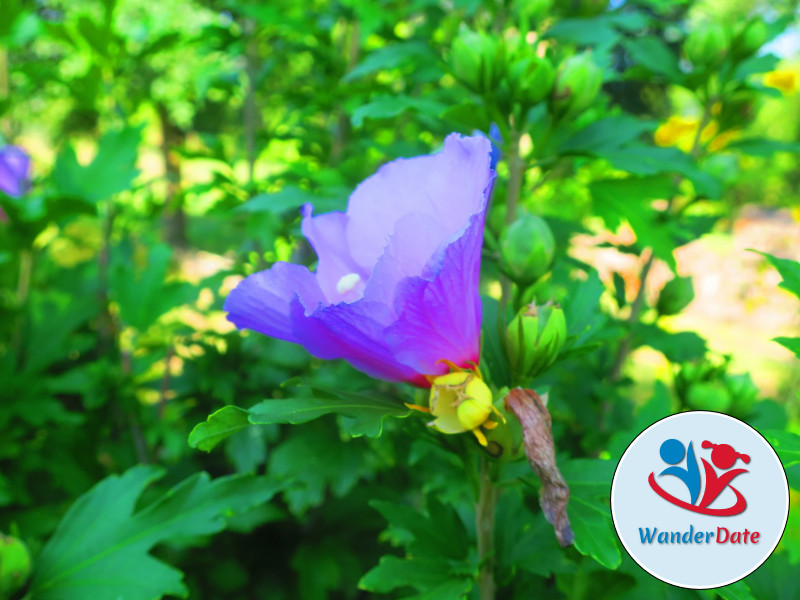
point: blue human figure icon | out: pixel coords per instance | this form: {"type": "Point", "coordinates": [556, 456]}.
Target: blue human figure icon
{"type": "Point", "coordinates": [672, 452]}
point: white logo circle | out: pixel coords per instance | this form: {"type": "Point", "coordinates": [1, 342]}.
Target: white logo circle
{"type": "Point", "coordinates": [699, 500]}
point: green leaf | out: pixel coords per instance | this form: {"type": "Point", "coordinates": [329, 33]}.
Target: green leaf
{"type": "Point", "coordinates": [789, 271]}
{"type": "Point", "coordinates": [525, 540]}
{"type": "Point", "coordinates": [50, 331]}
{"type": "Point", "coordinates": [653, 409]}
{"type": "Point", "coordinates": [112, 170]}
{"type": "Point", "coordinates": [291, 198]}
{"type": "Point", "coordinates": [368, 412]}
{"type": "Point", "coordinates": [452, 588]}
{"type": "Point", "coordinates": [438, 534]}
{"type": "Point", "coordinates": [101, 547]}
{"type": "Point", "coordinates": [97, 38]}
{"type": "Point", "coordinates": [492, 358]}
{"type": "Point", "coordinates": [582, 309]}
{"type": "Point", "coordinates": [639, 159]}
{"type": "Point", "coordinates": [143, 295]}
{"type": "Point", "coordinates": [392, 57]}
{"type": "Point", "coordinates": [677, 347]}
{"type": "Point", "coordinates": [628, 199]}
{"type": "Point", "coordinates": [791, 344]}
{"type": "Point", "coordinates": [219, 425]}
{"type": "Point", "coordinates": [468, 115]}
{"type": "Point", "coordinates": [427, 574]}
{"type": "Point", "coordinates": [387, 107]}
{"type": "Point", "coordinates": [776, 579]}
{"type": "Point", "coordinates": [786, 444]}
{"type": "Point", "coordinates": [655, 55]}
{"type": "Point", "coordinates": [763, 147]}
{"type": "Point", "coordinates": [589, 510]}
{"type": "Point", "coordinates": [607, 134]}
{"type": "Point", "coordinates": [314, 458]}
{"type": "Point", "coordinates": [767, 414]}
{"type": "Point", "coordinates": [754, 65]}
{"type": "Point", "coordinates": [590, 32]}
{"type": "Point", "coordinates": [735, 591]}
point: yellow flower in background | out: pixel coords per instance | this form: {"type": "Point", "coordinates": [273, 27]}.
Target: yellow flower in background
{"type": "Point", "coordinates": [674, 130]}
{"type": "Point", "coordinates": [723, 139]}
{"type": "Point", "coordinates": [682, 131]}
{"type": "Point", "coordinates": [783, 80]}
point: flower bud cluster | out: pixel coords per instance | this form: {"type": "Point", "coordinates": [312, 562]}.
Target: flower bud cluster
{"type": "Point", "coordinates": [534, 338]}
{"type": "Point", "coordinates": [707, 386]}
{"type": "Point", "coordinates": [513, 73]}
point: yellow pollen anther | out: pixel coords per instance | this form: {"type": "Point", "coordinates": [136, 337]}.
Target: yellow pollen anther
{"type": "Point", "coordinates": [348, 283]}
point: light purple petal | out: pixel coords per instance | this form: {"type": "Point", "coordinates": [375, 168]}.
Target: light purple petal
{"type": "Point", "coordinates": [355, 332]}
{"type": "Point", "coordinates": [263, 301]}
{"type": "Point", "coordinates": [328, 236]}
{"type": "Point", "coordinates": [439, 318]}
{"type": "Point", "coordinates": [410, 248]}
{"type": "Point", "coordinates": [447, 187]}
{"type": "Point", "coordinates": [14, 168]}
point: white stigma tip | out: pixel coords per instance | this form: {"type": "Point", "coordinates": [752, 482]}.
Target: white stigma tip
{"type": "Point", "coordinates": [348, 283]}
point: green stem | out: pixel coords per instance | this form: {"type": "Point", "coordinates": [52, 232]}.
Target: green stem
{"type": "Point", "coordinates": [251, 123]}
{"type": "Point", "coordinates": [516, 168]}
{"type": "Point", "coordinates": [23, 288]}
{"type": "Point", "coordinates": [704, 121]}
{"type": "Point", "coordinates": [636, 308]}
{"type": "Point", "coordinates": [484, 513]}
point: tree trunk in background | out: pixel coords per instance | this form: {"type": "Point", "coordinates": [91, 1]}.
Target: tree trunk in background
{"type": "Point", "coordinates": [351, 43]}
{"type": "Point", "coordinates": [251, 117]}
{"type": "Point", "coordinates": [174, 220]}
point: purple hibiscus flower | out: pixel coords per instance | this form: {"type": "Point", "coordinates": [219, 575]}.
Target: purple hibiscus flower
{"type": "Point", "coordinates": [14, 168]}
{"type": "Point", "coordinates": [396, 286]}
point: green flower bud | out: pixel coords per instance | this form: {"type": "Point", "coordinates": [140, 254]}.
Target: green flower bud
{"type": "Point", "coordinates": [15, 565]}
{"type": "Point", "coordinates": [478, 60]}
{"type": "Point", "coordinates": [530, 79]}
{"type": "Point", "coordinates": [752, 38]}
{"type": "Point", "coordinates": [577, 84]}
{"type": "Point", "coordinates": [744, 393]}
{"type": "Point", "coordinates": [707, 44]}
{"type": "Point", "coordinates": [675, 296]}
{"type": "Point", "coordinates": [534, 338]}
{"type": "Point", "coordinates": [527, 248]}
{"type": "Point", "coordinates": [709, 395]}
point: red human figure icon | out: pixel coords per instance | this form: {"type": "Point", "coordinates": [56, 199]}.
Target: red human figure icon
{"type": "Point", "coordinates": [724, 457]}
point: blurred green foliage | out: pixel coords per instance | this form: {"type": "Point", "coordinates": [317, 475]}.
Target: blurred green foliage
{"type": "Point", "coordinates": [173, 144]}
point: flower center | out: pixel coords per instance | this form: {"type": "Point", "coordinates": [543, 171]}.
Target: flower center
{"type": "Point", "coordinates": [461, 401]}
{"type": "Point", "coordinates": [348, 283]}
